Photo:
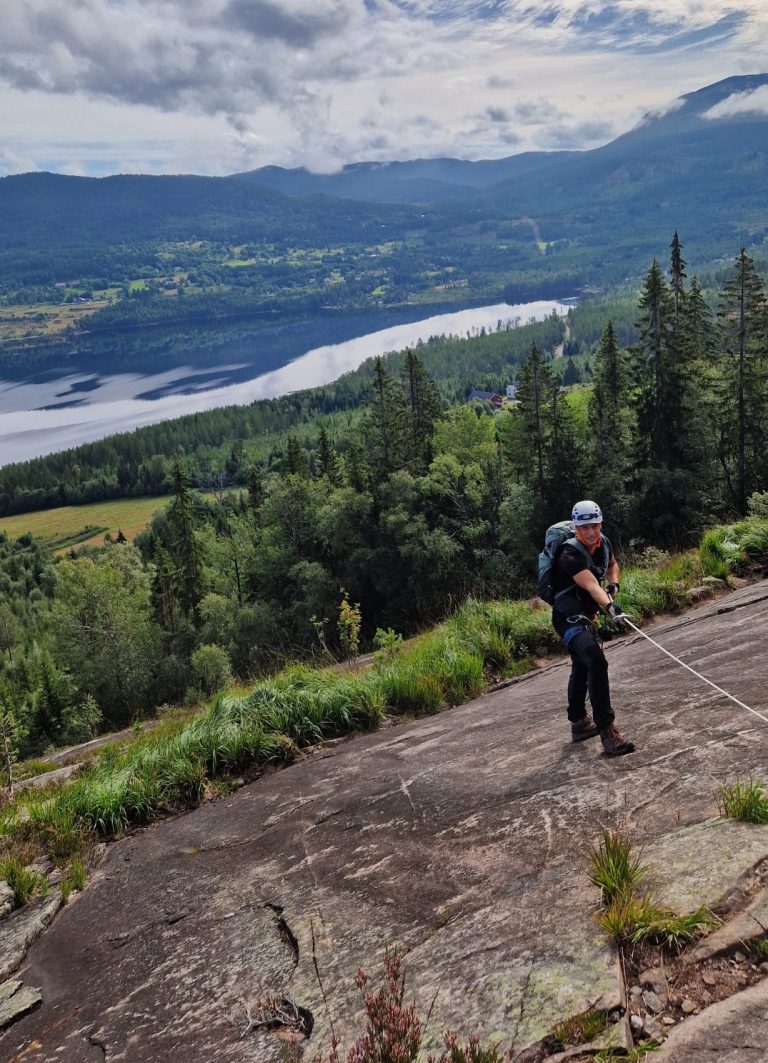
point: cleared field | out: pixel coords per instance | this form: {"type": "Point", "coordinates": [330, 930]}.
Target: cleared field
{"type": "Point", "coordinates": [75, 525]}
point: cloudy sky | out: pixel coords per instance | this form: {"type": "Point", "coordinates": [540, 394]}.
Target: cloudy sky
{"type": "Point", "coordinates": [216, 86]}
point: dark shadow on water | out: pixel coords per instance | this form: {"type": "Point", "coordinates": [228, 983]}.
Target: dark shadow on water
{"type": "Point", "coordinates": [63, 405]}
{"type": "Point", "coordinates": [93, 383]}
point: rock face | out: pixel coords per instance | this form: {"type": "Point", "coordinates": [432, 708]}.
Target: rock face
{"type": "Point", "coordinates": [7, 899]}
{"type": "Point", "coordinates": [16, 1000]}
{"type": "Point", "coordinates": [462, 839]}
{"type": "Point", "coordinates": [733, 1031]}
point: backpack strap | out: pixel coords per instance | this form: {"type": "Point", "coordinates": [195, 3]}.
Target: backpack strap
{"type": "Point", "coordinates": [607, 555]}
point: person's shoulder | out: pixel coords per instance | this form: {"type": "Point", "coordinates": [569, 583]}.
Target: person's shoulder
{"type": "Point", "coordinates": [572, 557]}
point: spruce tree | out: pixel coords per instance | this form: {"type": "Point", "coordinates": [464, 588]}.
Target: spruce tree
{"type": "Point", "coordinates": [534, 394]}
{"type": "Point", "coordinates": [657, 377]}
{"type": "Point", "coordinates": [188, 563]}
{"type": "Point", "coordinates": [743, 392]}
{"type": "Point", "coordinates": [424, 408]}
{"type": "Point", "coordinates": [609, 462]}
{"type": "Point", "coordinates": [327, 461]}
{"type": "Point", "coordinates": [677, 279]}
{"type": "Point", "coordinates": [294, 458]}
{"type": "Point", "coordinates": [384, 424]}
{"type": "Point", "coordinates": [255, 492]}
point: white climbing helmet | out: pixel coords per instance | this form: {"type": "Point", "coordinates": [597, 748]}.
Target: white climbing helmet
{"type": "Point", "coordinates": [586, 512]}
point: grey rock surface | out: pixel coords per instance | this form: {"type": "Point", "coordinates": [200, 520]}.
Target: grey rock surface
{"type": "Point", "coordinates": [16, 1001]}
{"type": "Point", "coordinates": [22, 927]}
{"type": "Point", "coordinates": [7, 899]}
{"type": "Point", "coordinates": [462, 839]}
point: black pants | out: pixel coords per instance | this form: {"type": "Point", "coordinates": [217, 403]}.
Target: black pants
{"type": "Point", "coordinates": [589, 674]}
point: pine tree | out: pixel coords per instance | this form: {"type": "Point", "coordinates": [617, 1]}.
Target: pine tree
{"type": "Point", "coordinates": [609, 423]}
{"type": "Point", "coordinates": [188, 563]}
{"type": "Point", "coordinates": [328, 463]}
{"type": "Point", "coordinates": [742, 313]}
{"type": "Point", "coordinates": [536, 382]}
{"type": "Point", "coordinates": [424, 408]}
{"type": "Point", "coordinates": [294, 458]}
{"type": "Point", "coordinates": [385, 423]}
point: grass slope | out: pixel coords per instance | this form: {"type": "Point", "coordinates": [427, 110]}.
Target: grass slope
{"type": "Point", "coordinates": [77, 525]}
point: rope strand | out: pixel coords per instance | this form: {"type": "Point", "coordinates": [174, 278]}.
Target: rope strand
{"type": "Point", "coordinates": [625, 618]}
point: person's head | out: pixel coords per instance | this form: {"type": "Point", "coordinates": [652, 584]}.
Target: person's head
{"type": "Point", "coordinates": [587, 522]}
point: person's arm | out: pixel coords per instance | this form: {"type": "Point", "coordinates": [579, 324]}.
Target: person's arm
{"type": "Point", "coordinates": [587, 581]}
{"type": "Point", "coordinates": [612, 576]}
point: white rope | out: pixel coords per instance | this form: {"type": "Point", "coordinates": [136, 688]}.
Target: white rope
{"type": "Point", "coordinates": [625, 618]}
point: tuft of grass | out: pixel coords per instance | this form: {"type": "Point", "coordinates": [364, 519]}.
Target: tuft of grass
{"type": "Point", "coordinates": [661, 926]}
{"type": "Point", "coordinates": [625, 912]}
{"type": "Point", "coordinates": [30, 769]}
{"type": "Point", "coordinates": [614, 867]}
{"type": "Point", "coordinates": [620, 1055]}
{"type": "Point", "coordinates": [629, 917]}
{"type": "Point", "coordinates": [74, 878]}
{"type": "Point", "coordinates": [747, 802]}
{"type": "Point", "coordinates": [24, 882]}
{"type": "Point", "coordinates": [579, 1029]}
{"type": "Point", "coordinates": [758, 947]}
{"type": "Point", "coordinates": [734, 548]}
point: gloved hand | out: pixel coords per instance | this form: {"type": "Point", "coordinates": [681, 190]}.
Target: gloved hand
{"type": "Point", "coordinates": [613, 589]}
{"type": "Point", "coordinates": [617, 621]}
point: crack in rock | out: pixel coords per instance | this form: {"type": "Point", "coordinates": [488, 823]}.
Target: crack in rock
{"type": "Point", "coordinates": [97, 1042]}
{"type": "Point", "coordinates": [284, 930]}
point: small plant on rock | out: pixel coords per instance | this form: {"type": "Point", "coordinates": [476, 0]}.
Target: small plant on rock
{"type": "Point", "coordinates": [747, 802]}
{"type": "Point", "coordinates": [614, 868]}
{"type": "Point", "coordinates": [394, 1031]}
{"type": "Point", "coordinates": [579, 1029]}
{"type": "Point", "coordinates": [349, 623]}
{"type": "Point", "coordinates": [24, 882]}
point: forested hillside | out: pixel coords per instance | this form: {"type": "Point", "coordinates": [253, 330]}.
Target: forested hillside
{"type": "Point", "coordinates": [399, 513]}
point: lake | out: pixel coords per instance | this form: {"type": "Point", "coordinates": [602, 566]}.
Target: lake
{"type": "Point", "coordinates": [57, 408]}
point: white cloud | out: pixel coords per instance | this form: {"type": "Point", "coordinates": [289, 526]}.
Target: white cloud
{"type": "Point", "coordinates": [755, 102]}
{"type": "Point", "coordinates": [212, 85]}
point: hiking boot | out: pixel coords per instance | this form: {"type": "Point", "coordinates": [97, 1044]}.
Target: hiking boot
{"type": "Point", "coordinates": [583, 728]}
{"type": "Point", "coordinates": [613, 744]}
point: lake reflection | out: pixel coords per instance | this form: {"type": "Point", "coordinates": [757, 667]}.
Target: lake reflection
{"type": "Point", "coordinates": [54, 411]}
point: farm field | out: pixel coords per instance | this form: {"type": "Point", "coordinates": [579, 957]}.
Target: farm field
{"type": "Point", "coordinates": [69, 526]}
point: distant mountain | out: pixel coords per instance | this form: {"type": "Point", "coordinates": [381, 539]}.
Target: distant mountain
{"type": "Point", "coordinates": [39, 208]}
{"type": "Point", "coordinates": [414, 181]}
{"type": "Point", "coordinates": [567, 219]}
{"type": "Point", "coordinates": [678, 156]}
{"type": "Point", "coordinates": [697, 171]}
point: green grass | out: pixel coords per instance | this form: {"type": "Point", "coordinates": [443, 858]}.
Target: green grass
{"type": "Point", "coordinates": [734, 548]}
{"type": "Point", "coordinates": [24, 882]}
{"type": "Point", "coordinates": [67, 526]}
{"type": "Point", "coordinates": [746, 801]}
{"type": "Point", "coordinates": [30, 769]}
{"type": "Point", "coordinates": [74, 878]}
{"type": "Point", "coordinates": [579, 1029]}
{"type": "Point", "coordinates": [614, 867]}
{"type": "Point", "coordinates": [172, 767]}
{"type": "Point", "coordinates": [629, 916]}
